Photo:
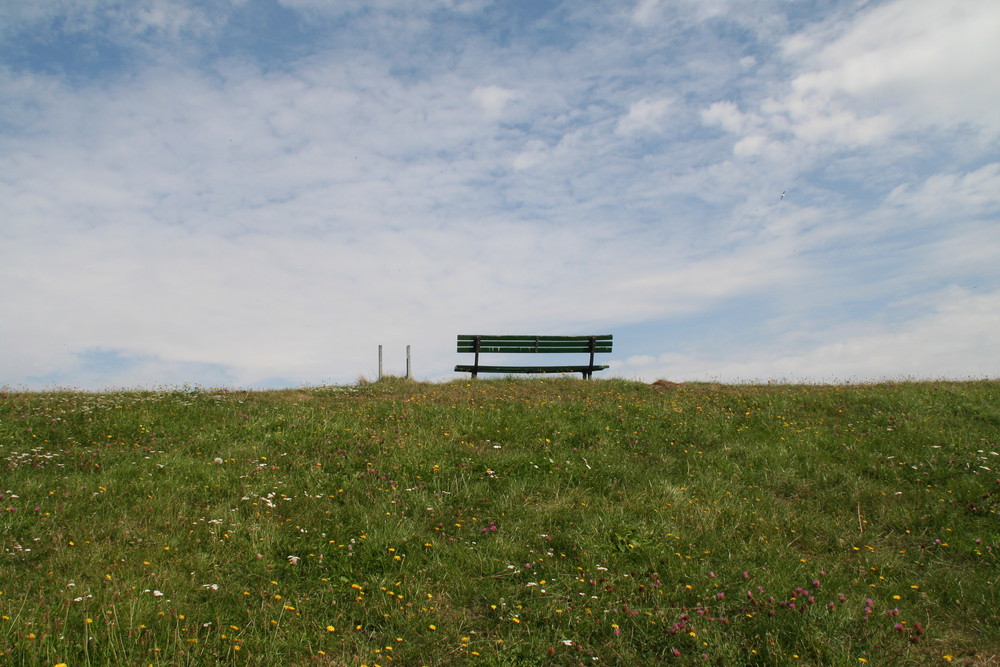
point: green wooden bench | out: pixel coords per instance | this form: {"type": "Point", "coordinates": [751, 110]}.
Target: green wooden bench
{"type": "Point", "coordinates": [482, 344]}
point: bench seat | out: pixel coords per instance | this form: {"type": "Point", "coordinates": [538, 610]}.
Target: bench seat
{"type": "Point", "coordinates": [461, 368]}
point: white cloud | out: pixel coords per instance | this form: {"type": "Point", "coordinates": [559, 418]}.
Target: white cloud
{"type": "Point", "coordinates": [755, 137]}
{"type": "Point", "coordinates": [646, 12]}
{"type": "Point", "coordinates": [901, 67]}
{"type": "Point", "coordinates": [753, 144]}
{"type": "Point", "coordinates": [494, 100]}
{"type": "Point", "coordinates": [118, 20]}
{"type": "Point", "coordinates": [945, 342]}
{"type": "Point", "coordinates": [645, 115]}
{"type": "Point", "coordinates": [728, 116]}
{"type": "Point", "coordinates": [665, 285]}
{"type": "Point", "coordinates": [965, 251]}
{"type": "Point", "coordinates": [816, 121]}
{"type": "Point", "coordinates": [952, 195]}
{"type": "Point", "coordinates": [345, 6]}
{"type": "Point", "coordinates": [923, 61]}
{"type": "Point", "coordinates": [169, 18]}
{"type": "Point", "coordinates": [649, 13]}
{"type": "Point", "coordinates": [534, 152]}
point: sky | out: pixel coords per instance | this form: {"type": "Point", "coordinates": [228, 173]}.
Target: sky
{"type": "Point", "coordinates": [259, 193]}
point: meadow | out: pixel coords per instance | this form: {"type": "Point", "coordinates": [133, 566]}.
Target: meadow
{"type": "Point", "coordinates": [502, 522]}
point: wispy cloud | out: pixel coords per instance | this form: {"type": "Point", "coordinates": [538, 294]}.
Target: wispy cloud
{"type": "Point", "coordinates": [944, 341]}
{"type": "Point", "coordinates": [952, 195]}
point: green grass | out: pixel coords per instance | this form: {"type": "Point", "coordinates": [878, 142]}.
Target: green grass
{"type": "Point", "coordinates": [502, 522]}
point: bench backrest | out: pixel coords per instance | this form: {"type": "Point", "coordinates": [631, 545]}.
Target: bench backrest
{"type": "Point", "coordinates": [534, 344]}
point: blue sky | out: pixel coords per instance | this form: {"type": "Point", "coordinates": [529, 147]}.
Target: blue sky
{"type": "Point", "coordinates": [257, 193]}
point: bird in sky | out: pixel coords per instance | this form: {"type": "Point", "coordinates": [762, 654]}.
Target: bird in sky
{"type": "Point", "coordinates": [782, 195]}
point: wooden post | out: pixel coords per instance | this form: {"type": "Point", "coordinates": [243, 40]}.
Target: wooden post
{"type": "Point", "coordinates": [409, 368]}
{"type": "Point", "coordinates": [379, 362]}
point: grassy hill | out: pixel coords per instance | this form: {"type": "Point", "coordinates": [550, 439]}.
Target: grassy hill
{"type": "Point", "coordinates": [502, 522]}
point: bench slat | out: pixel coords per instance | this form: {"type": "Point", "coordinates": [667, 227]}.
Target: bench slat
{"type": "Point", "coordinates": [546, 348]}
{"type": "Point", "coordinates": [528, 369]}
{"type": "Point", "coordinates": [541, 337]}
{"type": "Point", "coordinates": [533, 344]}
